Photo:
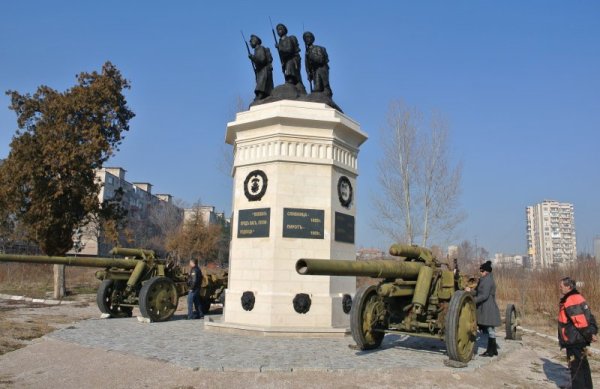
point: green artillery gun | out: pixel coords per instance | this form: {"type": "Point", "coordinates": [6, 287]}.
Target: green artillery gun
{"type": "Point", "coordinates": [138, 279]}
{"type": "Point", "coordinates": [417, 296]}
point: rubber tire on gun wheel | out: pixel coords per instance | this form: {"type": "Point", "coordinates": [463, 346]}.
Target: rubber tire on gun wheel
{"type": "Point", "coordinates": [461, 327]}
{"type": "Point", "coordinates": [158, 299]}
{"type": "Point", "coordinates": [362, 305]}
{"type": "Point", "coordinates": [511, 322]}
{"type": "Point", "coordinates": [104, 297]}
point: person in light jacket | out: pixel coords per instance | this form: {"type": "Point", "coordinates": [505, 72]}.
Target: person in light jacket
{"type": "Point", "coordinates": [488, 314]}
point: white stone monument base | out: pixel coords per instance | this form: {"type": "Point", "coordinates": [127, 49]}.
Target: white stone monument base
{"type": "Point", "coordinates": [275, 316]}
{"type": "Point", "coordinates": [290, 158]}
{"type": "Point", "coordinates": [217, 325]}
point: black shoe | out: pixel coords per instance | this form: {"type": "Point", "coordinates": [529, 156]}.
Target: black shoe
{"type": "Point", "coordinates": [492, 348]}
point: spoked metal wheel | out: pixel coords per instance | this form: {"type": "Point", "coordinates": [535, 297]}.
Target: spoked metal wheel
{"type": "Point", "coordinates": [158, 299]}
{"type": "Point", "coordinates": [512, 322]}
{"type": "Point", "coordinates": [461, 327]}
{"type": "Point", "coordinates": [109, 296]}
{"type": "Point", "coordinates": [367, 316]}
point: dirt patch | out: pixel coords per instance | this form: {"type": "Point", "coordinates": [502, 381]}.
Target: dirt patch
{"type": "Point", "coordinates": [21, 322]}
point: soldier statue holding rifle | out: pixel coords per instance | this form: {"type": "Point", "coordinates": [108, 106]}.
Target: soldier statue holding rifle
{"type": "Point", "coordinates": [263, 68]}
{"type": "Point", "coordinates": [289, 53]}
{"type": "Point", "coordinates": [317, 65]}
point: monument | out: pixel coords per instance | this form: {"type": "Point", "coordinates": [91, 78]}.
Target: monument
{"type": "Point", "coordinates": [294, 177]}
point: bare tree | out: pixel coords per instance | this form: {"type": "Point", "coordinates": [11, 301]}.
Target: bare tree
{"type": "Point", "coordinates": [195, 238]}
{"type": "Point", "coordinates": [420, 187]}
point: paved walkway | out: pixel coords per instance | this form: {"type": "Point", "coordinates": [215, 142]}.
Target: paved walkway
{"type": "Point", "coordinates": [185, 343]}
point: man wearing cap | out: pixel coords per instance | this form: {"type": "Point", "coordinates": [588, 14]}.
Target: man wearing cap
{"type": "Point", "coordinates": [577, 328]}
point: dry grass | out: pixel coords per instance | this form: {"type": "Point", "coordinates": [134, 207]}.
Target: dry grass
{"type": "Point", "coordinates": [35, 280]}
{"type": "Point", "coordinates": [536, 292]}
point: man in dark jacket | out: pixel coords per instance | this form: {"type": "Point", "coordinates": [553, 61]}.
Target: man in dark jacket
{"type": "Point", "coordinates": [577, 328]}
{"type": "Point", "coordinates": [194, 283]}
{"type": "Point", "coordinates": [488, 314]}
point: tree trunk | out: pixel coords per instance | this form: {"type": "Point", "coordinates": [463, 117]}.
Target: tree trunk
{"type": "Point", "coordinates": [59, 281]}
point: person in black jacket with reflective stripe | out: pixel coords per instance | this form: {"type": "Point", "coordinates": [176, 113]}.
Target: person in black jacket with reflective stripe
{"type": "Point", "coordinates": [194, 283]}
{"type": "Point", "coordinates": [577, 328]}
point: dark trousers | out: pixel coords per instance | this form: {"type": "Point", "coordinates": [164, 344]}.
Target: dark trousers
{"type": "Point", "coordinates": [193, 301]}
{"type": "Point", "coordinates": [581, 376]}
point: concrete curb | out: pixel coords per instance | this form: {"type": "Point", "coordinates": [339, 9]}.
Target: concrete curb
{"type": "Point", "coordinates": [36, 301]}
{"type": "Point", "coordinates": [553, 338]}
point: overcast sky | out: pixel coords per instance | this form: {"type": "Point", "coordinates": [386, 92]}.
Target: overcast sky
{"type": "Point", "coordinates": [518, 82]}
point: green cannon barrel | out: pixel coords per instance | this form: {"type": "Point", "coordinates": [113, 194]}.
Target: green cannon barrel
{"type": "Point", "coordinates": [71, 261]}
{"type": "Point", "coordinates": [411, 252]}
{"type": "Point", "coordinates": [387, 268]}
{"type": "Point", "coordinates": [132, 252]}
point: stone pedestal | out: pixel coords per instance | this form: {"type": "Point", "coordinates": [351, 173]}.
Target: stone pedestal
{"type": "Point", "coordinates": [294, 173]}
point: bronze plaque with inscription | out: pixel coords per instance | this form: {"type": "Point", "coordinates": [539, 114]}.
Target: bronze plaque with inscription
{"type": "Point", "coordinates": [303, 223]}
{"type": "Point", "coordinates": [254, 223]}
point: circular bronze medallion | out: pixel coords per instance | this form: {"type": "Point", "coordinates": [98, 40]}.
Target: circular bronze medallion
{"type": "Point", "coordinates": [345, 191]}
{"type": "Point", "coordinates": [255, 185]}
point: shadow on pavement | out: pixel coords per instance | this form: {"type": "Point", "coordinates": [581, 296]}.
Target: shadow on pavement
{"type": "Point", "coordinates": [393, 341]}
{"type": "Point", "coordinates": [556, 373]}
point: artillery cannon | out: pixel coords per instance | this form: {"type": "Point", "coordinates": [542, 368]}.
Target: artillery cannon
{"type": "Point", "coordinates": [417, 296]}
{"type": "Point", "coordinates": [139, 279]}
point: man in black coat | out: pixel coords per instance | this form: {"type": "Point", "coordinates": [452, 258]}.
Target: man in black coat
{"type": "Point", "coordinates": [577, 328]}
{"type": "Point", "coordinates": [194, 283]}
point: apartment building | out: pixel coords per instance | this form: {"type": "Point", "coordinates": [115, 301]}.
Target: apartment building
{"type": "Point", "coordinates": [551, 239]}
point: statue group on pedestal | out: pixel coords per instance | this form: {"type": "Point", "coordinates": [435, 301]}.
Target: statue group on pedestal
{"type": "Point", "coordinates": [316, 62]}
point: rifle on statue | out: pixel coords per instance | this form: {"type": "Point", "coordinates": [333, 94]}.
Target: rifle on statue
{"type": "Point", "coordinates": [309, 70]}
{"type": "Point", "coordinates": [249, 53]}
{"type": "Point", "coordinates": [275, 39]}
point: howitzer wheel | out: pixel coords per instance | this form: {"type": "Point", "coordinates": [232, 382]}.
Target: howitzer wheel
{"type": "Point", "coordinates": [108, 296]}
{"type": "Point", "coordinates": [366, 315]}
{"type": "Point", "coordinates": [158, 299]}
{"type": "Point", "coordinates": [461, 327]}
{"type": "Point", "coordinates": [512, 322]}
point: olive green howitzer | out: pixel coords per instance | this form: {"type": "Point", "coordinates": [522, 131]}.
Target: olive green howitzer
{"type": "Point", "coordinates": [418, 296]}
{"type": "Point", "coordinates": [138, 279]}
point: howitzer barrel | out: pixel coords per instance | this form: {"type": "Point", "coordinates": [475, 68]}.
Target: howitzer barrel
{"type": "Point", "coordinates": [411, 252]}
{"type": "Point", "coordinates": [71, 261]}
{"type": "Point", "coordinates": [131, 252]}
{"type": "Point", "coordinates": [387, 268]}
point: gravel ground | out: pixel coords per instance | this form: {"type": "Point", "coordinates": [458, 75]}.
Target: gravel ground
{"type": "Point", "coordinates": [123, 353]}
{"type": "Point", "coordinates": [185, 343]}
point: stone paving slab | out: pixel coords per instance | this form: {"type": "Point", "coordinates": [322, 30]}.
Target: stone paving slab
{"type": "Point", "coordinates": [185, 343]}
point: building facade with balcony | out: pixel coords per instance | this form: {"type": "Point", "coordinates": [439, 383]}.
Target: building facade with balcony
{"type": "Point", "coordinates": [145, 213]}
{"type": "Point", "coordinates": [551, 239]}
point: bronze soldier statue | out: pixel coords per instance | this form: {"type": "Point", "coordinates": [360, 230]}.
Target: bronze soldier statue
{"type": "Point", "coordinates": [263, 65]}
{"type": "Point", "coordinates": [317, 65]}
{"type": "Point", "coordinates": [289, 53]}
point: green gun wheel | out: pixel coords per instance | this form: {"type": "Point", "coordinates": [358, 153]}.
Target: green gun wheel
{"type": "Point", "coordinates": [461, 327]}
{"type": "Point", "coordinates": [158, 299]}
{"type": "Point", "coordinates": [108, 296]}
{"type": "Point", "coordinates": [367, 314]}
{"type": "Point", "coordinates": [512, 322]}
